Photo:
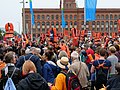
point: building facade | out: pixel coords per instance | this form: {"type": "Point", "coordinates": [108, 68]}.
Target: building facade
{"type": "Point", "coordinates": [106, 19]}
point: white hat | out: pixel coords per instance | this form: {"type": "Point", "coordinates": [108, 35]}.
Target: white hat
{"type": "Point", "coordinates": [63, 62]}
{"type": "Point", "coordinates": [74, 54]}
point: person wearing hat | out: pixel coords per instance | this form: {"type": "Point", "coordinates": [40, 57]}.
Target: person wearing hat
{"type": "Point", "coordinates": [80, 69]}
{"type": "Point", "coordinates": [60, 81]}
{"type": "Point", "coordinates": [114, 82]}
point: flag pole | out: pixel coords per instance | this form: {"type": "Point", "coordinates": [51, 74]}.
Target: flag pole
{"type": "Point", "coordinates": [31, 29]}
{"type": "Point", "coordinates": [84, 14]}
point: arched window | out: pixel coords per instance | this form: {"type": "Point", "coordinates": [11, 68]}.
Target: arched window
{"type": "Point", "coordinates": [43, 17]}
{"type": "Point", "coordinates": [82, 17]}
{"type": "Point", "coordinates": [52, 23]}
{"type": "Point", "coordinates": [52, 16]}
{"type": "Point", "coordinates": [98, 17]}
{"type": "Point", "coordinates": [47, 17]}
{"type": "Point", "coordinates": [57, 23]}
{"type": "Point", "coordinates": [57, 17]}
{"type": "Point", "coordinates": [38, 16]}
{"type": "Point", "coordinates": [38, 24]}
{"type": "Point", "coordinates": [70, 17]}
{"type": "Point", "coordinates": [115, 17]}
{"type": "Point", "coordinates": [47, 23]}
{"type": "Point", "coordinates": [107, 24]}
{"type": "Point", "coordinates": [75, 23]}
{"type": "Point", "coordinates": [43, 23]}
{"type": "Point", "coordinates": [71, 23]}
{"type": "Point", "coordinates": [102, 16]}
{"type": "Point", "coordinates": [111, 17]}
{"type": "Point", "coordinates": [75, 17]}
{"type": "Point", "coordinates": [66, 17]}
{"type": "Point", "coordinates": [107, 17]}
{"type": "Point", "coordinates": [26, 16]}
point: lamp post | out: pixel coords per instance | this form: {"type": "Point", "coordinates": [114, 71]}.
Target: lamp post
{"type": "Point", "coordinates": [23, 2]}
{"type": "Point", "coordinates": [109, 24]}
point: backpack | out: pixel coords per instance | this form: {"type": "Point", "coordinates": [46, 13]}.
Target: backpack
{"type": "Point", "coordinates": [9, 84]}
{"type": "Point", "coordinates": [72, 81]}
{"type": "Point", "coordinates": [101, 77]}
{"type": "Point", "coordinates": [24, 61]}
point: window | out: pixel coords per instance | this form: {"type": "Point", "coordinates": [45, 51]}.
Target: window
{"type": "Point", "coordinates": [82, 17]}
{"type": "Point", "coordinates": [119, 16]}
{"type": "Point", "coordinates": [70, 17]}
{"type": "Point", "coordinates": [107, 17]}
{"type": "Point", "coordinates": [47, 23]}
{"type": "Point", "coordinates": [52, 16]}
{"type": "Point", "coordinates": [52, 23]}
{"type": "Point", "coordinates": [82, 23]}
{"type": "Point", "coordinates": [75, 17]}
{"type": "Point", "coordinates": [98, 22]}
{"type": "Point", "coordinates": [38, 16]}
{"type": "Point", "coordinates": [26, 16]}
{"type": "Point", "coordinates": [75, 23]}
{"type": "Point", "coordinates": [102, 16]}
{"type": "Point", "coordinates": [102, 23]}
{"type": "Point", "coordinates": [107, 23]}
{"type": "Point", "coordinates": [38, 24]}
{"type": "Point", "coordinates": [66, 23]}
{"type": "Point", "coordinates": [47, 17]}
{"type": "Point", "coordinates": [71, 23]}
{"type": "Point", "coordinates": [111, 22]}
{"type": "Point", "coordinates": [98, 17]}
{"type": "Point", "coordinates": [43, 29]}
{"type": "Point", "coordinates": [57, 23]}
{"type": "Point", "coordinates": [43, 23]}
{"type": "Point", "coordinates": [115, 24]}
{"type": "Point", "coordinates": [115, 17]}
{"type": "Point", "coordinates": [93, 23]}
{"type": "Point", "coordinates": [98, 29]}
{"type": "Point", "coordinates": [43, 17]}
{"type": "Point", "coordinates": [87, 23]}
{"type": "Point", "coordinates": [111, 17]}
{"type": "Point", "coordinates": [57, 17]}
{"type": "Point", "coordinates": [66, 17]}
{"type": "Point", "coordinates": [102, 29]}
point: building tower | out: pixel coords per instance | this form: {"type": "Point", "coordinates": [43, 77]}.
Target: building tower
{"type": "Point", "coordinates": [69, 4]}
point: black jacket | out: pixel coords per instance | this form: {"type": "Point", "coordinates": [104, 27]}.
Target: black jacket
{"type": "Point", "coordinates": [33, 81]}
{"type": "Point", "coordinates": [15, 78]}
{"type": "Point", "coordinates": [114, 83]}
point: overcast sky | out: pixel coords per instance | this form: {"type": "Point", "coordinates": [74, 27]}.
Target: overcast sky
{"type": "Point", "coordinates": [10, 10]}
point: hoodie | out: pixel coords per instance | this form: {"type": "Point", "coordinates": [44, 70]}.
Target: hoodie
{"type": "Point", "coordinates": [48, 71]}
{"type": "Point", "coordinates": [33, 81]}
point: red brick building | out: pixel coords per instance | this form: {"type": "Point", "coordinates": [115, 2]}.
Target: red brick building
{"type": "Point", "coordinates": [106, 19]}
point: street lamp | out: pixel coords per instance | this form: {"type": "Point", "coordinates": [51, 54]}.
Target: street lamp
{"type": "Point", "coordinates": [23, 2]}
{"type": "Point", "coordinates": [109, 24]}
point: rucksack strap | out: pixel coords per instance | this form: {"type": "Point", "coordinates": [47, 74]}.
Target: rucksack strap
{"type": "Point", "coordinates": [30, 57]}
{"type": "Point", "coordinates": [66, 78]}
{"type": "Point", "coordinates": [13, 72]}
{"type": "Point", "coordinates": [79, 69]}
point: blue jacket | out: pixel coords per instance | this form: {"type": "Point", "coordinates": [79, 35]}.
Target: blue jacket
{"type": "Point", "coordinates": [34, 59]}
{"type": "Point", "coordinates": [48, 71]}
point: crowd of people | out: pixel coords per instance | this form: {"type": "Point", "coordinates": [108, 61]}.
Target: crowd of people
{"type": "Point", "coordinates": [40, 66]}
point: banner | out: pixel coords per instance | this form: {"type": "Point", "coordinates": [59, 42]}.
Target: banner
{"type": "Point", "coordinates": [31, 11]}
{"type": "Point", "coordinates": [90, 10]}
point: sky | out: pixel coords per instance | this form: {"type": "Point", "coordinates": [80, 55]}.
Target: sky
{"type": "Point", "coordinates": [11, 10]}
